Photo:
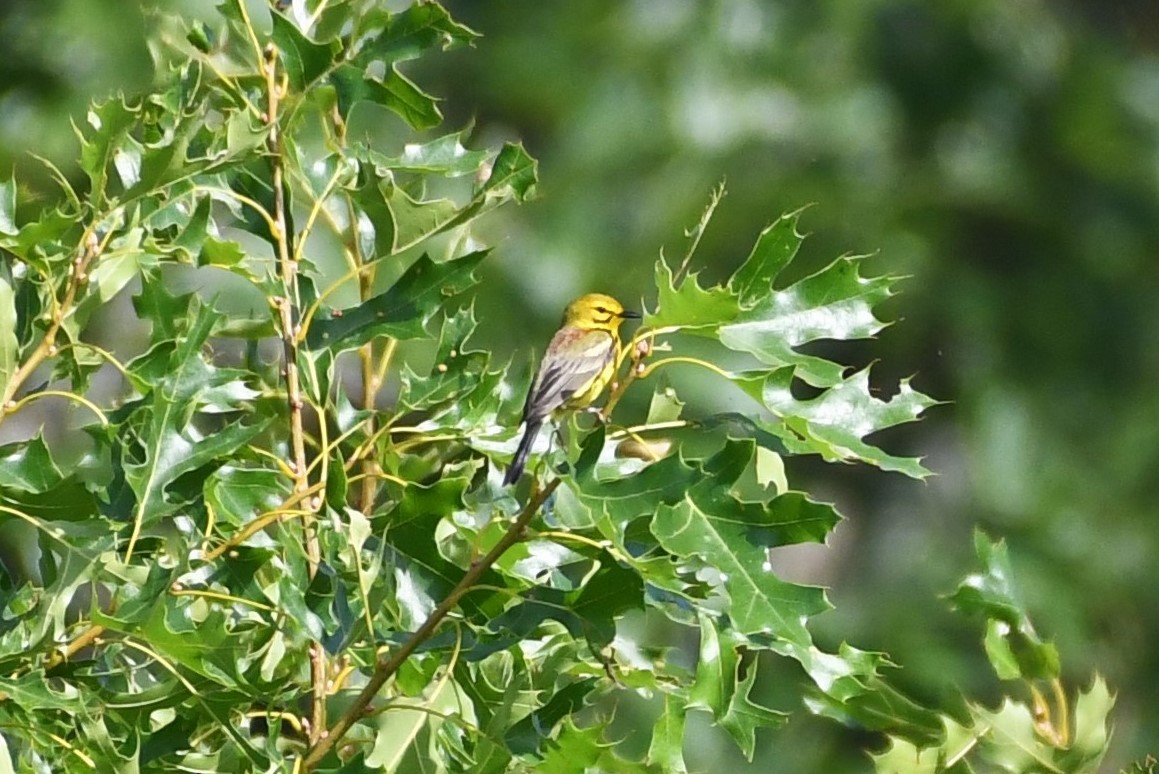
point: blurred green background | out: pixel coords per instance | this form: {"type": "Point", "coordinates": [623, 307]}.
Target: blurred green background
{"type": "Point", "coordinates": [1002, 153]}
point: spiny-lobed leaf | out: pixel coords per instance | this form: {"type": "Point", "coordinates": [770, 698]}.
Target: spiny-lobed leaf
{"type": "Point", "coordinates": [588, 613]}
{"type": "Point", "coordinates": [399, 218]}
{"type": "Point", "coordinates": [455, 370]}
{"type": "Point", "coordinates": [721, 689]}
{"type": "Point", "coordinates": [9, 344]}
{"type": "Point", "coordinates": [849, 689]}
{"type": "Point", "coordinates": [410, 33]}
{"type": "Point", "coordinates": [835, 303]}
{"type": "Point", "coordinates": [775, 249]}
{"type": "Point", "coordinates": [760, 603]}
{"type": "Point", "coordinates": [750, 315]}
{"type": "Point", "coordinates": [442, 156]}
{"type": "Point", "coordinates": [530, 733]}
{"type": "Point", "coordinates": [689, 307]}
{"type": "Point", "coordinates": [586, 749]}
{"type": "Point", "coordinates": [361, 65]}
{"type": "Point", "coordinates": [835, 423]}
{"type": "Point", "coordinates": [29, 466]}
{"type": "Point", "coordinates": [1014, 647]}
{"type": "Point", "coordinates": [218, 607]}
{"type": "Point", "coordinates": [1009, 738]}
{"type": "Point", "coordinates": [401, 311]}
{"type": "Point", "coordinates": [181, 383]}
{"type": "Point", "coordinates": [8, 225]}
{"type": "Point", "coordinates": [666, 750]}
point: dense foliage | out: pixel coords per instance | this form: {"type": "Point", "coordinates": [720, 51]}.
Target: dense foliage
{"type": "Point", "coordinates": [280, 540]}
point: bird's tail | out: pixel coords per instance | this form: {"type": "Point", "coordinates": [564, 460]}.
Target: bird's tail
{"type": "Point", "coordinates": [520, 460]}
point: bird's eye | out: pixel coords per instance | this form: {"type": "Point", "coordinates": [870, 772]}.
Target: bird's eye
{"type": "Point", "coordinates": [602, 310]}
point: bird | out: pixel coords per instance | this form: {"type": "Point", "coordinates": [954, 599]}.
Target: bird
{"type": "Point", "coordinates": [579, 363]}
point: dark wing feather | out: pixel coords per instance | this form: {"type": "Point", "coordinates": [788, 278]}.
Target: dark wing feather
{"type": "Point", "coordinates": [573, 359]}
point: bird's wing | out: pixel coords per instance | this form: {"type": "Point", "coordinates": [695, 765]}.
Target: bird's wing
{"type": "Point", "coordinates": [574, 358]}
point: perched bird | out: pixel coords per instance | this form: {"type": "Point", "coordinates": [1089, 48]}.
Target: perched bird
{"type": "Point", "coordinates": [578, 364]}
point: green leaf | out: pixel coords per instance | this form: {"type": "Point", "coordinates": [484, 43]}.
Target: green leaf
{"type": "Point", "coordinates": [834, 423]}
{"type": "Point", "coordinates": [402, 311]}
{"type": "Point", "coordinates": [513, 178]}
{"type": "Point", "coordinates": [611, 592]}
{"type": "Point", "coordinates": [716, 667]}
{"type": "Point", "coordinates": [409, 34]}
{"type": "Point", "coordinates": [1013, 742]}
{"type": "Point", "coordinates": [170, 446]}
{"type": "Point", "coordinates": [690, 307]}
{"type": "Point", "coordinates": [460, 391]}
{"type": "Point", "coordinates": [393, 91]}
{"type": "Point", "coordinates": [119, 265]}
{"type": "Point", "coordinates": [744, 716]}
{"type": "Point", "coordinates": [1092, 734]}
{"type": "Point", "coordinates": [8, 207]}
{"type": "Point", "coordinates": [720, 688]}
{"type": "Point", "coordinates": [849, 689]}
{"type": "Point", "coordinates": [732, 536]}
{"type": "Point", "coordinates": [666, 750]}
{"type": "Point", "coordinates": [774, 250]}
{"type": "Point", "coordinates": [584, 749]}
{"type": "Point", "coordinates": [29, 467]}
{"type": "Point", "coordinates": [401, 218]}
{"type": "Point", "coordinates": [442, 156]}
{"type": "Point", "coordinates": [904, 757]}
{"type": "Point", "coordinates": [33, 692]}
{"type": "Point", "coordinates": [412, 220]}
{"type": "Point", "coordinates": [238, 494]}
{"type": "Point", "coordinates": [9, 345]}
{"type": "Point", "coordinates": [835, 303]}
{"type": "Point", "coordinates": [529, 734]}
{"type": "Point", "coordinates": [305, 60]}
{"type": "Point", "coordinates": [1008, 739]}
{"type": "Point", "coordinates": [665, 406]}
{"type": "Point", "coordinates": [166, 311]}
{"type": "Point", "coordinates": [109, 125]}
{"type": "Point", "coordinates": [760, 603]}
{"type": "Point", "coordinates": [1014, 647]}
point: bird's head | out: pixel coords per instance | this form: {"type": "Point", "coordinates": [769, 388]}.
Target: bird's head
{"type": "Point", "coordinates": [595, 311]}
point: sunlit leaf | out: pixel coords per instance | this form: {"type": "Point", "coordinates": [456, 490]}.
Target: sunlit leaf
{"type": "Point", "coordinates": [9, 345]}
{"type": "Point", "coordinates": [689, 306]}
{"type": "Point", "coordinates": [8, 207]}
{"type": "Point", "coordinates": [774, 250]}
{"type": "Point", "coordinates": [444, 155]}
{"type": "Point", "coordinates": [835, 423]}
{"type": "Point", "coordinates": [835, 303]}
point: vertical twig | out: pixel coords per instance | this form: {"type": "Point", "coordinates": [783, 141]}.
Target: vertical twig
{"type": "Point", "coordinates": [288, 310]}
{"type": "Point", "coordinates": [698, 231]}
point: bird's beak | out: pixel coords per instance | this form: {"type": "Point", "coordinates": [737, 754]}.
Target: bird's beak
{"type": "Point", "coordinates": [628, 314]}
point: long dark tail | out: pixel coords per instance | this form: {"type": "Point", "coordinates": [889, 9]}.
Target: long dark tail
{"type": "Point", "coordinates": [520, 460]}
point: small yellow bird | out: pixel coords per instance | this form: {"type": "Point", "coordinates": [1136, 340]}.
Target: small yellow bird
{"type": "Point", "coordinates": [579, 363]}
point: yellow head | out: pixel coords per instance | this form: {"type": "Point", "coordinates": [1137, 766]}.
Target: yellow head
{"type": "Point", "coordinates": [596, 312]}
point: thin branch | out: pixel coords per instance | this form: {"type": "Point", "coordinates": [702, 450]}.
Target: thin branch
{"type": "Point", "coordinates": [288, 307]}
{"type": "Point", "coordinates": [385, 670]}
{"type": "Point", "coordinates": [89, 250]}
{"type": "Point", "coordinates": [698, 231]}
